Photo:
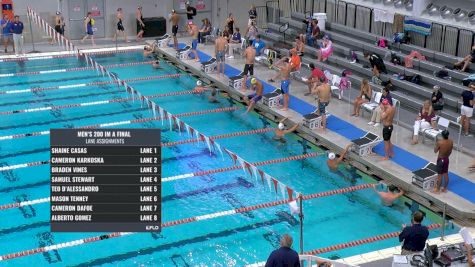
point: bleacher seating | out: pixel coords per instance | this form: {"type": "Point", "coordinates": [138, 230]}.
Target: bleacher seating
{"type": "Point", "coordinates": [346, 39]}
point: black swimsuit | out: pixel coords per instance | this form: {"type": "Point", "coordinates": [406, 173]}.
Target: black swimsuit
{"type": "Point", "coordinates": [120, 26]}
{"type": "Point", "coordinates": [142, 28]}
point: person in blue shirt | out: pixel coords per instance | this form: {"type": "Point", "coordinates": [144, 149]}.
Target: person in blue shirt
{"type": "Point", "coordinates": [259, 45]}
{"type": "Point", "coordinates": [17, 31]}
{"type": "Point", "coordinates": [5, 25]}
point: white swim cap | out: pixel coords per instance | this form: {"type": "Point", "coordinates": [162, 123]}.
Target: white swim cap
{"type": "Point", "coordinates": [199, 83]}
{"type": "Point", "coordinates": [281, 126]}
{"type": "Point", "coordinates": [331, 156]}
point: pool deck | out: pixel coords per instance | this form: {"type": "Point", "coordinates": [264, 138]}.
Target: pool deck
{"type": "Point", "coordinates": [458, 207]}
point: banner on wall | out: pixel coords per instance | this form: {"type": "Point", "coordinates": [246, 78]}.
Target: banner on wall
{"type": "Point", "coordinates": [200, 4]}
{"type": "Point", "coordinates": [182, 4]}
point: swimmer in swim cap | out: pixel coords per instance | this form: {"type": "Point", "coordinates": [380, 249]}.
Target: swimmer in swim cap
{"type": "Point", "coordinates": [281, 131]}
{"type": "Point", "coordinates": [252, 99]}
{"type": "Point", "coordinates": [199, 88]}
{"type": "Point", "coordinates": [333, 162]}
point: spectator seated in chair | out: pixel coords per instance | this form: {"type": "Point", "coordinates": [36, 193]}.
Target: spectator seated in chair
{"type": "Point", "coordinates": [364, 97]}
{"type": "Point", "coordinates": [204, 31]}
{"type": "Point", "coordinates": [425, 120]}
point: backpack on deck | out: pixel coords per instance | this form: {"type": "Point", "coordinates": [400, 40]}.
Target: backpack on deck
{"type": "Point", "coordinates": [395, 59]}
{"type": "Point", "coordinates": [468, 80]}
{"type": "Point", "coordinates": [443, 74]}
{"type": "Point", "coordinates": [416, 79]}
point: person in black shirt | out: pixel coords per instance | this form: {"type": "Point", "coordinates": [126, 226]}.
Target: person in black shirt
{"type": "Point", "coordinates": [467, 108]}
{"type": "Point", "coordinates": [437, 99]}
{"type": "Point", "coordinates": [230, 21]}
{"type": "Point", "coordinates": [190, 11]}
{"type": "Point", "coordinates": [252, 15]}
{"type": "Point", "coordinates": [377, 63]}
{"type": "Point", "coordinates": [414, 237]}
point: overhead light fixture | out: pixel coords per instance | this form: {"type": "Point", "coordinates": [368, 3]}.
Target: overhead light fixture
{"type": "Point", "coordinates": [398, 3]}
{"type": "Point", "coordinates": [446, 12]}
{"type": "Point", "coordinates": [387, 2]}
{"type": "Point", "coordinates": [459, 14]}
{"type": "Point", "coordinates": [432, 9]}
{"type": "Point", "coordinates": [409, 5]}
{"type": "Point", "coordinates": [471, 17]}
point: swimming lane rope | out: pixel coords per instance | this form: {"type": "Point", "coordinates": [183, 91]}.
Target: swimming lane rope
{"type": "Point", "coordinates": [72, 54]}
{"type": "Point", "coordinates": [362, 241]}
{"type": "Point", "coordinates": [108, 124]}
{"type": "Point", "coordinates": [177, 222]}
{"type": "Point", "coordinates": [32, 90]}
{"type": "Point", "coordinates": [73, 69]}
{"type": "Point", "coordinates": [94, 103]}
{"type": "Point", "coordinates": [179, 177]}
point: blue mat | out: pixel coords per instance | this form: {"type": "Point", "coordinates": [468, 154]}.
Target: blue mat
{"type": "Point", "coordinates": [458, 185]}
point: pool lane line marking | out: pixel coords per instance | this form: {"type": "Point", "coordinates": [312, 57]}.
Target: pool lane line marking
{"type": "Point", "coordinates": [116, 123]}
{"type": "Point", "coordinates": [169, 144]}
{"type": "Point", "coordinates": [32, 90]}
{"type": "Point", "coordinates": [74, 53]}
{"type": "Point", "coordinates": [237, 167]}
{"type": "Point", "coordinates": [209, 216]}
{"type": "Point", "coordinates": [94, 103]}
{"type": "Point", "coordinates": [2, 75]}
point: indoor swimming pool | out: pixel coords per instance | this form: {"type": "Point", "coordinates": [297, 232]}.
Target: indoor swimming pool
{"type": "Point", "coordinates": [36, 96]}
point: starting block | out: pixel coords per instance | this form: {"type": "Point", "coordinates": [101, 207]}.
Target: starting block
{"type": "Point", "coordinates": [162, 41]}
{"type": "Point", "coordinates": [364, 145]}
{"type": "Point", "coordinates": [208, 66]}
{"type": "Point", "coordinates": [313, 120]}
{"type": "Point", "coordinates": [272, 100]}
{"type": "Point", "coordinates": [426, 177]}
{"type": "Point", "coordinates": [236, 81]}
{"type": "Point", "coordinates": [183, 53]}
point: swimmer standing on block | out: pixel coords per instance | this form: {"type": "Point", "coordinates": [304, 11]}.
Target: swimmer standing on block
{"type": "Point", "coordinates": [281, 131]}
{"type": "Point", "coordinates": [333, 162]}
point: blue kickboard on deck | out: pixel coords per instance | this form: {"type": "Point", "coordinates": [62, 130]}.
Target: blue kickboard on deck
{"type": "Point", "coordinates": [458, 185]}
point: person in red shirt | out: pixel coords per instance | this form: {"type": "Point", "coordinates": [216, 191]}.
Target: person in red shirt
{"type": "Point", "coordinates": [314, 79]}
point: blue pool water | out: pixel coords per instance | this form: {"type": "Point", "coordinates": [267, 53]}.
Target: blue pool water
{"type": "Point", "coordinates": [226, 241]}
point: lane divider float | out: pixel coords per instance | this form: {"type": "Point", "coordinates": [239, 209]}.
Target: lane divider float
{"type": "Point", "coordinates": [72, 69]}
{"type": "Point", "coordinates": [108, 124]}
{"type": "Point", "coordinates": [32, 90]}
{"type": "Point", "coordinates": [214, 215]}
